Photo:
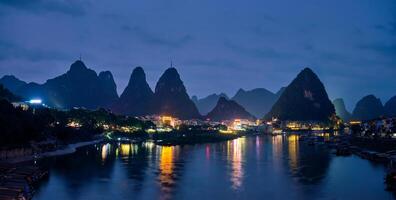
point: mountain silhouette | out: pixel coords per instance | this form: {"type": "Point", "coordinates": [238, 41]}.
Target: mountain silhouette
{"type": "Point", "coordinates": [304, 99]}
{"type": "Point", "coordinates": [257, 101]}
{"type": "Point", "coordinates": [171, 98]}
{"type": "Point", "coordinates": [341, 110]}
{"type": "Point", "coordinates": [7, 95]}
{"type": "Point", "coordinates": [369, 107]}
{"type": "Point", "coordinates": [12, 83]}
{"type": "Point", "coordinates": [136, 98]}
{"type": "Point", "coordinates": [228, 110]}
{"type": "Point", "coordinates": [78, 87]}
{"type": "Point", "coordinates": [280, 91]}
{"type": "Point", "coordinates": [205, 105]}
{"type": "Point", "coordinates": [390, 107]}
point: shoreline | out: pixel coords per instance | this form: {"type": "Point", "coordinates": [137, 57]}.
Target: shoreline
{"type": "Point", "coordinates": [68, 149]}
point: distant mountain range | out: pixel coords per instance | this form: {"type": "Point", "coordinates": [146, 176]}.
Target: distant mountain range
{"type": "Point", "coordinates": [390, 107]}
{"type": "Point", "coordinates": [226, 109]}
{"type": "Point", "coordinates": [369, 107]}
{"type": "Point", "coordinates": [257, 101]}
{"type": "Point", "coordinates": [82, 87]}
{"type": "Point", "coordinates": [78, 87]}
{"type": "Point", "coordinates": [12, 83]}
{"type": "Point", "coordinates": [304, 99]}
{"type": "Point", "coordinates": [205, 105]}
{"type": "Point", "coordinates": [341, 110]}
{"type": "Point", "coordinates": [7, 95]}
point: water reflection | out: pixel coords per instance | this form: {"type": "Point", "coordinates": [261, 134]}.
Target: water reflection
{"type": "Point", "coordinates": [105, 151]}
{"type": "Point", "coordinates": [235, 155]}
{"type": "Point", "coordinates": [166, 166]}
{"type": "Point", "coordinates": [238, 169]}
{"type": "Point", "coordinates": [167, 171]}
{"type": "Point", "coordinates": [277, 148]}
{"type": "Point", "coordinates": [125, 150]}
{"type": "Point", "coordinates": [293, 151]}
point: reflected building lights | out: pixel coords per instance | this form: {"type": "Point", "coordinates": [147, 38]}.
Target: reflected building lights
{"type": "Point", "coordinates": [207, 152]}
{"type": "Point", "coordinates": [235, 150]}
{"type": "Point", "coordinates": [258, 147]}
{"type": "Point", "coordinates": [293, 151]}
{"type": "Point", "coordinates": [277, 146]}
{"type": "Point", "coordinates": [125, 150]}
{"type": "Point", "coordinates": [105, 151]}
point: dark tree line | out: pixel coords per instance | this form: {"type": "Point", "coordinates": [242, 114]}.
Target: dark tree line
{"type": "Point", "coordinates": [18, 127]}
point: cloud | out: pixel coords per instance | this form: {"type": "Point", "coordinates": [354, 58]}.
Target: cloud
{"type": "Point", "coordinates": [384, 49]}
{"type": "Point", "coordinates": [213, 63]}
{"type": "Point", "coordinates": [265, 52]}
{"type": "Point", "coordinates": [389, 28]}
{"type": "Point", "coordinates": [69, 7]}
{"type": "Point", "coordinates": [12, 51]}
{"type": "Point", "coordinates": [157, 40]}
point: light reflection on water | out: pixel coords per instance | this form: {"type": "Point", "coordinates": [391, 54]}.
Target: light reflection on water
{"type": "Point", "coordinates": [235, 158]}
{"type": "Point", "coordinates": [278, 167]}
{"type": "Point", "coordinates": [293, 151]}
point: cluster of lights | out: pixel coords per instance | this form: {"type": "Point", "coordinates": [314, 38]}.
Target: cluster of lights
{"type": "Point", "coordinates": [35, 101]}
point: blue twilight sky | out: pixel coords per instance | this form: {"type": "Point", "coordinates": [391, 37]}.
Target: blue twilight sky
{"type": "Point", "coordinates": [217, 46]}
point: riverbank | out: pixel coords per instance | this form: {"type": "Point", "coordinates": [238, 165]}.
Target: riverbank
{"type": "Point", "coordinates": [68, 149]}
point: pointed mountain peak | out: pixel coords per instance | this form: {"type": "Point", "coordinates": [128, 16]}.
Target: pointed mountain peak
{"type": "Point", "coordinates": [206, 104]}
{"type": "Point", "coordinates": [307, 70]}
{"type": "Point", "coordinates": [222, 100]}
{"type": "Point", "coordinates": [305, 93]}
{"type": "Point", "coordinates": [106, 75]}
{"type": "Point", "coordinates": [369, 107]}
{"type": "Point", "coordinates": [240, 91]}
{"type": "Point", "coordinates": [171, 97]}
{"type": "Point", "coordinates": [109, 85]}
{"type": "Point", "coordinates": [78, 66]}
{"type": "Point", "coordinates": [224, 95]}
{"type": "Point", "coordinates": [228, 110]}
{"type": "Point", "coordinates": [390, 107]}
{"type": "Point", "coordinates": [341, 110]}
{"type": "Point", "coordinates": [370, 97]}
{"type": "Point", "coordinates": [12, 83]}
{"type": "Point", "coordinates": [10, 77]}
{"type": "Point", "coordinates": [138, 75]}
{"type": "Point", "coordinates": [307, 74]}
{"type": "Point", "coordinates": [139, 71]}
{"type": "Point", "coordinates": [170, 81]}
{"type": "Point", "coordinates": [135, 99]}
{"type": "Point", "coordinates": [171, 73]}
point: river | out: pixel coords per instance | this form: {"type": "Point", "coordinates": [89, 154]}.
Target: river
{"type": "Point", "coordinates": [256, 167]}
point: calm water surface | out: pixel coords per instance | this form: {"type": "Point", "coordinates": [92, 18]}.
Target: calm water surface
{"type": "Point", "coordinates": [261, 167]}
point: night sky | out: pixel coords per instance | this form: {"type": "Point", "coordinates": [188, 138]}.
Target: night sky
{"type": "Point", "coordinates": [216, 45]}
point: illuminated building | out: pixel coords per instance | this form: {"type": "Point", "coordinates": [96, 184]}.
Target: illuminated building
{"type": "Point", "coordinates": [35, 101]}
{"type": "Point", "coordinates": [74, 124]}
{"type": "Point", "coordinates": [21, 105]}
{"type": "Point", "coordinates": [355, 122]}
{"type": "Point", "coordinates": [237, 125]}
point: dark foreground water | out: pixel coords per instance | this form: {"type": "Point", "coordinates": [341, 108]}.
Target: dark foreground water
{"type": "Point", "coordinates": [261, 167]}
